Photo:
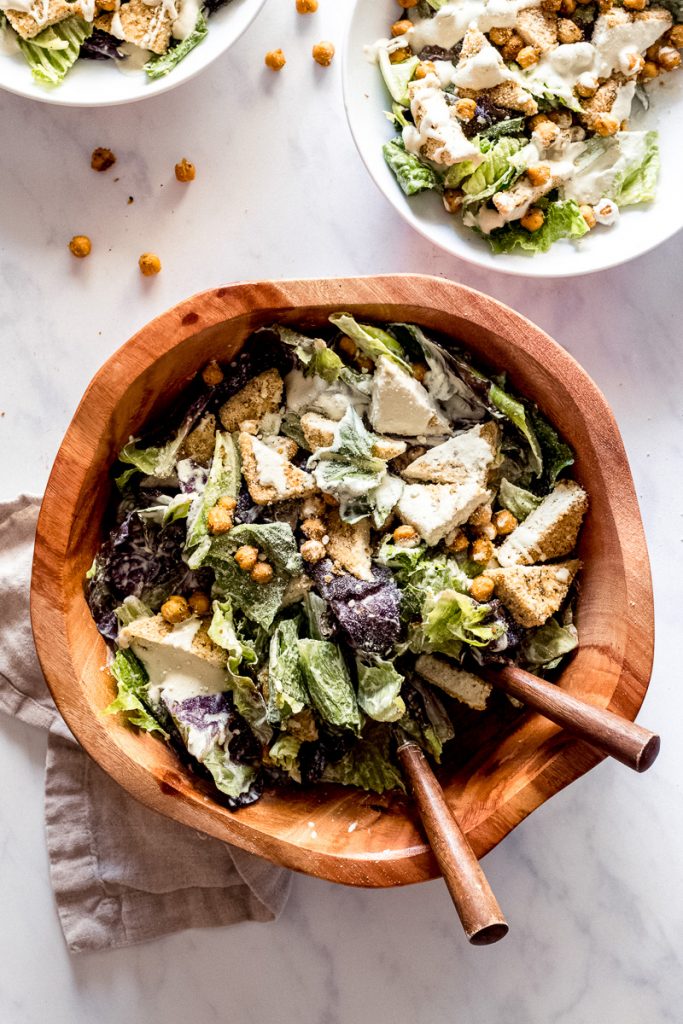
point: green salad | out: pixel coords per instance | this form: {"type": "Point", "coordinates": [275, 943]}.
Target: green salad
{"type": "Point", "coordinates": [314, 556]}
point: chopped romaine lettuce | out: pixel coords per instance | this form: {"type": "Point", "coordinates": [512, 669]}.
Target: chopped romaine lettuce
{"type": "Point", "coordinates": [557, 455]}
{"type": "Point", "coordinates": [159, 66]}
{"type": "Point", "coordinates": [131, 609]}
{"type": "Point", "coordinates": [247, 695]}
{"type": "Point", "coordinates": [372, 341]}
{"type": "Point", "coordinates": [412, 174]}
{"type": "Point", "coordinates": [319, 625]}
{"type": "Point", "coordinates": [286, 691]}
{"type": "Point", "coordinates": [637, 183]}
{"type": "Point", "coordinates": [314, 353]}
{"type": "Point", "coordinates": [329, 684]}
{"type": "Point", "coordinates": [347, 469]}
{"type": "Point", "coordinates": [54, 51]}
{"type": "Point", "coordinates": [379, 688]}
{"type": "Point", "coordinates": [367, 764]}
{"type": "Point", "coordinates": [426, 720]}
{"type": "Point", "coordinates": [546, 646]}
{"type": "Point", "coordinates": [563, 219]}
{"type": "Point", "coordinates": [496, 172]}
{"type": "Point", "coordinates": [517, 414]}
{"type": "Point", "coordinates": [168, 510]}
{"type": "Point", "coordinates": [451, 619]}
{"type": "Point", "coordinates": [284, 753]}
{"type": "Point", "coordinates": [132, 692]}
{"type": "Point", "coordinates": [517, 500]}
{"type": "Point", "coordinates": [223, 481]}
{"type": "Point", "coordinates": [397, 76]}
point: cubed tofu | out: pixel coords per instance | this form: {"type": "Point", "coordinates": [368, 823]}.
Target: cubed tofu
{"type": "Point", "coordinates": [260, 396]}
{"type": "Point", "coordinates": [435, 510]}
{"type": "Point", "coordinates": [532, 593]}
{"type": "Point", "coordinates": [480, 65]}
{"type": "Point", "coordinates": [464, 457]}
{"type": "Point", "coordinates": [401, 405]}
{"type": "Point", "coordinates": [349, 545]}
{"type": "Point", "coordinates": [181, 661]}
{"type": "Point", "coordinates": [463, 686]}
{"type": "Point", "coordinates": [286, 446]}
{"type": "Point", "coordinates": [538, 28]}
{"type": "Point", "coordinates": [508, 94]}
{"type": "Point", "coordinates": [148, 27]}
{"type": "Point", "coordinates": [551, 529]}
{"type": "Point", "coordinates": [270, 476]}
{"type": "Point", "coordinates": [199, 445]}
{"type": "Point", "coordinates": [319, 433]}
{"type": "Point", "coordinates": [42, 15]}
{"type": "Point", "coordinates": [438, 123]}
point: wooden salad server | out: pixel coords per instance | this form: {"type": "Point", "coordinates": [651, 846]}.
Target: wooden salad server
{"type": "Point", "coordinates": [629, 743]}
{"type": "Point", "coordinates": [477, 907]}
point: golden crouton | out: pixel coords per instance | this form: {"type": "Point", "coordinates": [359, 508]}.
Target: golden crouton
{"type": "Point", "coordinates": [42, 15]}
{"type": "Point", "coordinates": [349, 545]}
{"type": "Point", "coordinates": [463, 686]}
{"type": "Point", "coordinates": [260, 396]}
{"type": "Point", "coordinates": [538, 28]}
{"type": "Point", "coordinates": [532, 593]}
{"type": "Point", "coordinates": [199, 445]}
{"type": "Point", "coordinates": [148, 27]}
{"type": "Point", "coordinates": [551, 529]}
{"type": "Point", "coordinates": [269, 475]}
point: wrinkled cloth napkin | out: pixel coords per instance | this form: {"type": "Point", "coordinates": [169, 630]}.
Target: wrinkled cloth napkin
{"type": "Point", "coordinates": [121, 873]}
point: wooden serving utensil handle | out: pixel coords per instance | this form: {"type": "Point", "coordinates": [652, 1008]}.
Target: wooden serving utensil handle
{"type": "Point", "coordinates": [624, 740]}
{"type": "Point", "coordinates": [477, 907]}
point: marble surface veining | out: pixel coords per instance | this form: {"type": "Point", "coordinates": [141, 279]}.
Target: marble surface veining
{"type": "Point", "coordinates": [592, 882]}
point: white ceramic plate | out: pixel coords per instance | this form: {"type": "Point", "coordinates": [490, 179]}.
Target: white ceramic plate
{"type": "Point", "coordinates": [639, 229]}
{"type": "Point", "coordinates": [99, 83]}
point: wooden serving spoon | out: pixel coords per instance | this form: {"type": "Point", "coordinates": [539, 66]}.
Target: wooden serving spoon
{"type": "Point", "coordinates": [477, 907]}
{"type": "Point", "coordinates": [624, 740]}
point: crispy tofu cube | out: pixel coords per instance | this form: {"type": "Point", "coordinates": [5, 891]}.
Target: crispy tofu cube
{"type": "Point", "coordinates": [401, 405]}
{"type": "Point", "coordinates": [319, 433]}
{"type": "Point", "coordinates": [286, 446]}
{"type": "Point", "coordinates": [42, 15]}
{"type": "Point", "coordinates": [270, 476]}
{"type": "Point", "coordinates": [435, 510]}
{"type": "Point", "coordinates": [466, 456]}
{"type": "Point", "coordinates": [199, 445]}
{"type": "Point", "coordinates": [349, 545]}
{"type": "Point", "coordinates": [508, 94]}
{"type": "Point", "coordinates": [532, 593]}
{"type": "Point", "coordinates": [260, 396]}
{"type": "Point", "coordinates": [463, 686]}
{"type": "Point", "coordinates": [538, 28]}
{"type": "Point", "coordinates": [148, 27]}
{"type": "Point", "coordinates": [177, 669]}
{"type": "Point", "coordinates": [551, 529]}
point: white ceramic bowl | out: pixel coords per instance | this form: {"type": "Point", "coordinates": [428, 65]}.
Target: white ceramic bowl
{"type": "Point", "coordinates": [639, 229]}
{"type": "Point", "coordinates": [99, 83]}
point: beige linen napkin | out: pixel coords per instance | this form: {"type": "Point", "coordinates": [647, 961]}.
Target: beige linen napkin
{"type": "Point", "coordinates": [121, 873]}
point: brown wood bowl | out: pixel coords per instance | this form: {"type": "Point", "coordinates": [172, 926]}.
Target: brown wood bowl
{"type": "Point", "coordinates": [507, 766]}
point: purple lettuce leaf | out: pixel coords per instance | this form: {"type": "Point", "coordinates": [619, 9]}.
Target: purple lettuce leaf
{"type": "Point", "coordinates": [367, 612]}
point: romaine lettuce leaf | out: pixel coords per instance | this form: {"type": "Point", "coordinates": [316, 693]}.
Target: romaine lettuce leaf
{"type": "Point", "coordinates": [329, 684]}
{"type": "Point", "coordinates": [247, 695]}
{"type": "Point", "coordinates": [397, 77]}
{"type": "Point", "coordinates": [412, 174]}
{"type": "Point", "coordinates": [516, 413]}
{"type": "Point", "coordinates": [451, 619]}
{"type": "Point", "coordinates": [286, 691]}
{"type": "Point", "coordinates": [510, 126]}
{"type": "Point", "coordinates": [223, 481]}
{"type": "Point", "coordinates": [319, 625]}
{"type": "Point", "coordinates": [168, 510]}
{"type": "Point", "coordinates": [284, 753]}
{"type": "Point", "coordinates": [159, 461]}
{"type": "Point", "coordinates": [54, 51]}
{"type": "Point", "coordinates": [314, 353]}
{"type": "Point", "coordinates": [347, 469]}
{"type": "Point", "coordinates": [546, 646]}
{"type": "Point", "coordinates": [130, 609]}
{"type": "Point", "coordinates": [563, 219]}
{"type": "Point", "coordinates": [637, 183]}
{"type": "Point", "coordinates": [368, 764]}
{"type": "Point", "coordinates": [496, 172]}
{"type": "Point", "coordinates": [426, 719]}
{"type": "Point", "coordinates": [557, 455]}
{"type": "Point", "coordinates": [421, 576]}
{"type": "Point", "coordinates": [159, 66]}
{"type": "Point", "coordinates": [379, 688]}
{"type": "Point", "coordinates": [517, 500]}
{"type": "Point", "coordinates": [132, 688]}
{"type": "Point", "coordinates": [372, 341]}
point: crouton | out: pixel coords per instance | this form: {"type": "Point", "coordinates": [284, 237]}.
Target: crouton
{"type": "Point", "coordinates": [508, 94]}
{"type": "Point", "coordinates": [319, 433]}
{"type": "Point", "coordinates": [446, 143]}
{"type": "Point", "coordinates": [349, 545]}
{"type": "Point", "coordinates": [260, 396]}
{"type": "Point", "coordinates": [480, 64]}
{"type": "Point", "coordinates": [551, 529]}
{"type": "Point", "coordinates": [538, 28]}
{"type": "Point", "coordinates": [618, 30]}
{"type": "Point", "coordinates": [532, 593]}
{"type": "Point", "coordinates": [463, 686]}
{"type": "Point", "coordinates": [42, 15]}
{"type": "Point", "coordinates": [269, 475]}
{"type": "Point", "coordinates": [466, 456]}
{"type": "Point", "coordinates": [148, 27]}
{"type": "Point", "coordinates": [199, 445]}
{"type": "Point", "coordinates": [435, 510]}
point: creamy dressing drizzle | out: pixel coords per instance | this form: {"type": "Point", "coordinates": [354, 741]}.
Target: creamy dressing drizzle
{"type": "Point", "coordinates": [174, 669]}
{"type": "Point", "coordinates": [270, 466]}
{"type": "Point", "coordinates": [182, 13]}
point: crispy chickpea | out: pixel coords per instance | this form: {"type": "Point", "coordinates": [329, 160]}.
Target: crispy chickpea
{"type": "Point", "coordinates": [149, 264]}
{"type": "Point", "coordinates": [539, 174]}
{"type": "Point", "coordinates": [562, 118]}
{"type": "Point", "coordinates": [481, 550]}
{"type": "Point", "coordinates": [458, 542]}
{"type": "Point", "coordinates": [102, 159]}
{"type": "Point", "coordinates": [227, 503]}
{"type": "Point", "coordinates": [212, 375]}
{"type": "Point", "coordinates": [465, 109]}
{"type": "Point", "coordinates": [635, 5]}
{"type": "Point", "coordinates": [199, 603]}
{"type": "Point", "coordinates": [246, 557]}
{"type": "Point", "coordinates": [452, 199]}
{"type": "Point", "coordinates": [568, 31]}
{"type": "Point", "coordinates": [537, 120]}
{"type": "Point", "coordinates": [546, 133]}
{"type": "Point", "coordinates": [424, 68]}
{"type": "Point", "coordinates": [586, 89]}
{"type": "Point", "coordinates": [605, 6]}
{"type": "Point", "coordinates": [398, 56]}
{"type": "Point", "coordinates": [650, 70]}
{"type": "Point", "coordinates": [275, 60]}
{"type": "Point", "coordinates": [312, 551]}
{"type": "Point", "coordinates": [313, 528]}
{"type": "Point", "coordinates": [419, 371]}
{"type": "Point", "coordinates": [481, 516]}
{"type": "Point", "coordinates": [568, 7]}
{"type": "Point", "coordinates": [323, 54]}
{"type": "Point", "coordinates": [108, 5]}
{"type": "Point", "coordinates": [364, 362]}
{"type": "Point", "coordinates": [481, 588]}
{"type": "Point", "coordinates": [306, 6]}
{"type": "Point", "coordinates": [262, 572]}
{"type": "Point", "coordinates": [533, 220]}
{"type": "Point", "coordinates": [504, 521]}
{"type": "Point", "coordinates": [676, 36]}
{"type": "Point", "coordinates": [604, 125]}
{"type": "Point", "coordinates": [407, 4]}
{"type": "Point", "coordinates": [551, 6]}
{"type": "Point", "coordinates": [669, 58]}
{"type": "Point", "coordinates": [406, 536]}
{"type": "Point", "coordinates": [488, 531]}
{"type": "Point", "coordinates": [219, 520]}
{"type": "Point", "coordinates": [185, 171]}
{"type": "Point", "coordinates": [527, 56]}
{"type": "Point", "coordinates": [348, 347]}
{"type": "Point", "coordinates": [588, 215]}
{"type": "Point", "coordinates": [513, 46]}
{"type": "Point", "coordinates": [80, 246]}
{"type": "Point", "coordinates": [399, 28]}
{"type": "Point", "coordinates": [500, 36]}
{"type": "Point", "coordinates": [176, 609]}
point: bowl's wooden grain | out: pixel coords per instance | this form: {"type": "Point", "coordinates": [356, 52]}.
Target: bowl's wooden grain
{"type": "Point", "coordinates": [310, 831]}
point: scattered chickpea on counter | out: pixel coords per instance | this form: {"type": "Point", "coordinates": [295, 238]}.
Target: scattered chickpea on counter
{"type": "Point", "coordinates": [102, 159]}
{"type": "Point", "coordinates": [185, 171]}
{"type": "Point", "coordinates": [306, 6]}
{"type": "Point", "coordinates": [149, 264]}
{"type": "Point", "coordinates": [323, 53]}
{"type": "Point", "coordinates": [275, 60]}
{"type": "Point", "coordinates": [80, 246]}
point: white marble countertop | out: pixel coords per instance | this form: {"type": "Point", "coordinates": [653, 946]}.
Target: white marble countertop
{"type": "Point", "coordinates": [591, 883]}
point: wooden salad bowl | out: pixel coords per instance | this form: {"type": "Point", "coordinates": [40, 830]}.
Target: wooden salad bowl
{"type": "Point", "coordinates": [330, 831]}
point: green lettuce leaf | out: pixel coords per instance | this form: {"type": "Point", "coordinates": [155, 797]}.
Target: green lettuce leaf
{"type": "Point", "coordinates": [443, 382]}
{"type": "Point", "coordinates": [132, 686]}
{"type": "Point", "coordinates": [286, 691]}
{"type": "Point", "coordinates": [160, 65]}
{"type": "Point", "coordinates": [451, 619]}
{"type": "Point", "coordinates": [421, 576]}
{"type": "Point", "coordinates": [516, 413]}
{"type": "Point", "coordinates": [231, 778]}
{"type": "Point", "coordinates": [314, 353]}
{"type": "Point", "coordinates": [223, 481]}
{"type": "Point", "coordinates": [347, 469]}
{"type": "Point", "coordinates": [246, 693]}
{"type": "Point", "coordinates": [562, 220]}
{"type": "Point", "coordinates": [53, 52]}
{"type": "Point", "coordinates": [372, 341]}
{"type": "Point", "coordinates": [546, 646]}
{"type": "Point", "coordinates": [329, 684]}
{"type": "Point", "coordinates": [259, 601]}
{"type": "Point", "coordinates": [397, 77]}
{"type": "Point", "coordinates": [496, 172]}
{"type": "Point", "coordinates": [379, 688]}
{"type": "Point", "coordinates": [637, 183]}
{"type": "Point", "coordinates": [285, 754]}
{"type": "Point", "coordinates": [168, 510]}
{"type": "Point", "coordinates": [412, 174]}
{"type": "Point", "coordinates": [512, 126]}
{"type": "Point", "coordinates": [434, 728]}
{"type": "Point", "coordinates": [368, 764]}
{"type": "Point", "coordinates": [320, 625]}
{"type": "Point", "coordinates": [517, 500]}
{"type": "Point", "coordinates": [557, 455]}
{"type": "Point", "coordinates": [131, 609]}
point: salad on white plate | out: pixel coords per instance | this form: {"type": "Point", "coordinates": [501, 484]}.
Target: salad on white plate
{"type": "Point", "coordinates": [516, 112]}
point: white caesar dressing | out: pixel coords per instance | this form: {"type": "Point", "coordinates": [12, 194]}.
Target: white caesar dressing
{"type": "Point", "coordinates": [136, 58]}
{"type": "Point", "coordinates": [434, 123]}
{"type": "Point", "coordinates": [271, 467]}
{"type": "Point", "coordinates": [597, 170]}
{"type": "Point", "coordinates": [450, 23]}
{"type": "Point", "coordinates": [173, 667]}
{"type": "Point", "coordinates": [186, 19]}
{"type": "Point", "coordinates": [485, 219]}
{"type": "Point", "coordinates": [483, 70]}
{"type": "Point", "coordinates": [306, 394]}
{"type": "Point", "coordinates": [615, 33]}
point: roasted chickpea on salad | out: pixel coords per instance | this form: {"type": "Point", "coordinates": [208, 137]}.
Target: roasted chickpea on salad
{"type": "Point", "coordinates": [517, 111]}
{"type": "Point", "coordinates": [317, 554]}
